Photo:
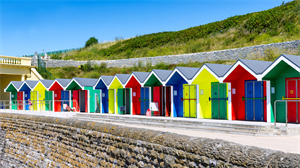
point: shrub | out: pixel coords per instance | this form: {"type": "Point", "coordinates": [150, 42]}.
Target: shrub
{"type": "Point", "coordinates": [269, 55]}
{"type": "Point", "coordinates": [91, 41]}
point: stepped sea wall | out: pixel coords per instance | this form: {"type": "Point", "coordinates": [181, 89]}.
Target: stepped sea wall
{"type": "Point", "coordinates": [39, 141]}
{"type": "Point", "coordinates": [230, 54]}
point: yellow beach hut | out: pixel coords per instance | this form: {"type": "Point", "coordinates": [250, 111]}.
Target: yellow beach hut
{"type": "Point", "coordinates": [213, 95]}
{"type": "Point", "coordinates": [41, 98]}
{"type": "Point", "coordinates": [117, 85]}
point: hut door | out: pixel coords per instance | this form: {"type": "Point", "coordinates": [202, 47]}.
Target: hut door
{"type": "Point", "coordinates": [254, 100]}
{"type": "Point", "coordinates": [189, 101]}
{"type": "Point", "coordinates": [293, 91]}
{"type": "Point", "coordinates": [75, 101]}
{"type": "Point", "coordinates": [97, 102]}
{"type": "Point", "coordinates": [121, 101]}
{"type": "Point", "coordinates": [144, 100]}
{"type": "Point", "coordinates": [127, 100]}
{"type": "Point", "coordinates": [48, 100]}
{"type": "Point", "coordinates": [20, 100]}
{"type": "Point", "coordinates": [82, 100]}
{"type": "Point", "coordinates": [111, 100]}
{"type": "Point", "coordinates": [219, 100]}
{"type": "Point", "coordinates": [165, 100]}
{"type": "Point", "coordinates": [33, 98]}
{"type": "Point", "coordinates": [157, 99]}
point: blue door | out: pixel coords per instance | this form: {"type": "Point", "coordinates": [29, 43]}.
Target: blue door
{"type": "Point", "coordinates": [254, 101]}
{"type": "Point", "coordinates": [104, 100]}
{"type": "Point", "coordinates": [65, 97]}
{"type": "Point", "coordinates": [259, 101]}
{"type": "Point", "coordinates": [144, 100]}
{"type": "Point", "coordinates": [26, 97]}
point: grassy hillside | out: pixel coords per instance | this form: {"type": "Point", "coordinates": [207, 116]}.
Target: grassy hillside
{"type": "Point", "coordinates": [278, 24]}
{"type": "Point", "coordinates": [94, 71]}
{"type": "Point", "coordinates": [90, 70]}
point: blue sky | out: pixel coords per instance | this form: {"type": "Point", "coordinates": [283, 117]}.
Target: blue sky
{"type": "Point", "coordinates": [27, 26]}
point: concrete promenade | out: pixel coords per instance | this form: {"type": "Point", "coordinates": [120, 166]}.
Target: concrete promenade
{"type": "Point", "coordinates": [289, 144]}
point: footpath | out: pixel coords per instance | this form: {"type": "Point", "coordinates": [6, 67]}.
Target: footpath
{"type": "Point", "coordinates": [289, 144]}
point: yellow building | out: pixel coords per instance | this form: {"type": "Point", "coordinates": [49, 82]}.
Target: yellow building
{"type": "Point", "coordinates": [213, 97]}
{"type": "Point", "coordinates": [15, 69]}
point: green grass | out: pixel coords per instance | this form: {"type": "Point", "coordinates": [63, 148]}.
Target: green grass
{"type": "Point", "coordinates": [96, 71]}
{"type": "Point", "coordinates": [278, 24]}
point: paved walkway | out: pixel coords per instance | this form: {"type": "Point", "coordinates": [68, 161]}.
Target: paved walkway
{"type": "Point", "coordinates": [290, 144]}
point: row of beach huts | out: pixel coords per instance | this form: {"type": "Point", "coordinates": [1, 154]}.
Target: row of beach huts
{"type": "Point", "coordinates": [249, 90]}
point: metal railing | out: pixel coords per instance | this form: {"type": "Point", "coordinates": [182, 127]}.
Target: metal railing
{"type": "Point", "coordinates": [286, 100]}
{"type": "Point", "coordinates": [36, 105]}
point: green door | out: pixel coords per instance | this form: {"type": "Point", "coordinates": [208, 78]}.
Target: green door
{"type": "Point", "coordinates": [189, 101]}
{"type": "Point", "coordinates": [14, 102]}
{"type": "Point", "coordinates": [219, 100]}
{"type": "Point", "coordinates": [48, 100]}
{"type": "Point", "coordinates": [121, 103]}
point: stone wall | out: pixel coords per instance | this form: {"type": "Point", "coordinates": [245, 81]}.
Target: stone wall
{"type": "Point", "coordinates": [231, 54]}
{"type": "Point", "coordinates": [39, 141]}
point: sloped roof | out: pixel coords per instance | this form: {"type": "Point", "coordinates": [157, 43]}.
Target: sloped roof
{"type": "Point", "coordinates": [293, 58]}
{"type": "Point", "coordinates": [188, 72]}
{"type": "Point", "coordinates": [162, 74]}
{"type": "Point", "coordinates": [257, 67]}
{"type": "Point", "coordinates": [141, 76]}
{"type": "Point", "coordinates": [107, 79]}
{"type": "Point", "coordinates": [17, 84]}
{"type": "Point", "coordinates": [47, 83]}
{"type": "Point", "coordinates": [31, 83]}
{"type": "Point", "coordinates": [63, 82]}
{"type": "Point", "coordinates": [123, 77]}
{"type": "Point", "coordinates": [86, 81]}
{"type": "Point", "coordinates": [218, 69]}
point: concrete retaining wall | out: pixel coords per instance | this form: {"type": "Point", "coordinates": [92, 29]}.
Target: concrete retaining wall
{"type": "Point", "coordinates": [39, 141]}
{"type": "Point", "coordinates": [231, 54]}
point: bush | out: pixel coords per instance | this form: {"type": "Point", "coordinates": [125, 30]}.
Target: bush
{"type": "Point", "coordinates": [86, 67]}
{"type": "Point", "coordinates": [91, 41]}
{"type": "Point", "coordinates": [55, 56]}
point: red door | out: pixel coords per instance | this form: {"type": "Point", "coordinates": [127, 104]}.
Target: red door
{"type": "Point", "coordinates": [76, 99]}
{"type": "Point", "coordinates": [20, 100]}
{"type": "Point", "coordinates": [86, 101]}
{"type": "Point", "coordinates": [156, 99]}
{"type": "Point", "coordinates": [168, 101]}
{"type": "Point", "coordinates": [293, 91]}
{"type": "Point", "coordinates": [57, 102]}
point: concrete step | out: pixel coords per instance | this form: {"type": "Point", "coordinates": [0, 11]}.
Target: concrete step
{"type": "Point", "coordinates": [219, 126]}
{"type": "Point", "coordinates": [186, 125]}
{"type": "Point", "coordinates": [181, 121]}
{"type": "Point", "coordinates": [204, 129]}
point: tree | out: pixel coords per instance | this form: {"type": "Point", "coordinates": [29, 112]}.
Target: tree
{"type": "Point", "coordinates": [91, 41]}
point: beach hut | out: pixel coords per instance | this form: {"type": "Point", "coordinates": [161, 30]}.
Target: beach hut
{"type": "Point", "coordinates": [213, 95]}
{"type": "Point", "coordinates": [184, 93]}
{"type": "Point", "coordinates": [26, 88]}
{"type": "Point", "coordinates": [61, 96]}
{"type": "Point", "coordinates": [16, 98]}
{"type": "Point", "coordinates": [159, 94]}
{"type": "Point", "coordinates": [82, 91]}
{"type": "Point", "coordinates": [284, 75]}
{"type": "Point", "coordinates": [119, 97]}
{"type": "Point", "coordinates": [248, 92]}
{"type": "Point", "coordinates": [41, 96]}
{"type": "Point", "coordinates": [102, 85]}
{"type": "Point", "coordinates": [140, 95]}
